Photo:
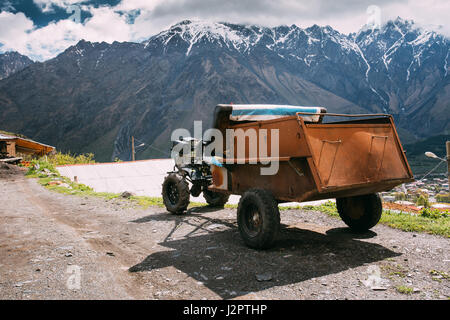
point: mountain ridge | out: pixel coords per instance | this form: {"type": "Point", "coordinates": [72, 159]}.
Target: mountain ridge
{"type": "Point", "coordinates": [12, 62]}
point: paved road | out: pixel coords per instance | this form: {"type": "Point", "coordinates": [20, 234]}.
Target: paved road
{"type": "Point", "coordinates": [142, 178]}
{"type": "Point", "coordinates": [55, 246]}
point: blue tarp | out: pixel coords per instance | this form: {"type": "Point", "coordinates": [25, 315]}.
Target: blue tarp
{"type": "Point", "coordinates": [267, 112]}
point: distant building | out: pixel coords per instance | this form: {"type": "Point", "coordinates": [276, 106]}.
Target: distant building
{"type": "Point", "coordinates": [388, 198]}
{"type": "Point", "coordinates": [13, 146]}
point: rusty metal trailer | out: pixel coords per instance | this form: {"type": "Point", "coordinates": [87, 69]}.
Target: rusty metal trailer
{"type": "Point", "coordinates": [351, 159]}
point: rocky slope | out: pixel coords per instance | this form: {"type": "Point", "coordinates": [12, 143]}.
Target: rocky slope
{"type": "Point", "coordinates": [12, 62]}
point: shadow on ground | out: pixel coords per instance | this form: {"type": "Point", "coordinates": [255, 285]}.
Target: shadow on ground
{"type": "Point", "coordinates": [218, 258]}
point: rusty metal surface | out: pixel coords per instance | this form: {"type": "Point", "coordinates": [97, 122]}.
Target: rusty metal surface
{"type": "Point", "coordinates": [321, 160]}
{"type": "Point", "coordinates": [346, 155]}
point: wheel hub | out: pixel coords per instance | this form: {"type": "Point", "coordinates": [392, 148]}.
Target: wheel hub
{"type": "Point", "coordinates": [173, 193]}
{"type": "Point", "coordinates": [253, 221]}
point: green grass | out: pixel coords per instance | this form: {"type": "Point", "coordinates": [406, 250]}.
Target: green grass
{"type": "Point", "coordinates": [146, 202]}
{"type": "Point", "coordinates": [417, 223]}
{"type": "Point", "coordinates": [393, 270]}
{"type": "Point", "coordinates": [437, 275]}
{"type": "Point", "coordinates": [428, 222]}
{"type": "Point", "coordinates": [60, 159]}
{"type": "Point", "coordinates": [328, 207]}
{"type": "Point", "coordinates": [404, 289]}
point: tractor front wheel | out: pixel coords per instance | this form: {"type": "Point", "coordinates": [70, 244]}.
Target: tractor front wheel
{"type": "Point", "coordinates": [215, 199]}
{"type": "Point", "coordinates": [175, 193]}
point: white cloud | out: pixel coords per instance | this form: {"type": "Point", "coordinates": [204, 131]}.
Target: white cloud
{"type": "Point", "coordinates": [105, 25]}
{"type": "Point", "coordinates": [432, 14]}
{"type": "Point", "coordinates": [14, 30]}
{"type": "Point", "coordinates": [18, 33]}
{"type": "Point", "coordinates": [345, 16]}
{"type": "Point", "coordinates": [147, 5]}
{"type": "Point", "coordinates": [48, 5]}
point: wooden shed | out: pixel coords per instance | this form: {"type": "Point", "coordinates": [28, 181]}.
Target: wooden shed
{"type": "Point", "coordinates": [11, 146]}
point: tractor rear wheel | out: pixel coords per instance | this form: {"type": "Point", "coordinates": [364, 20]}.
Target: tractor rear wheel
{"type": "Point", "coordinates": [258, 218]}
{"type": "Point", "coordinates": [360, 213]}
{"type": "Point", "coordinates": [175, 193]}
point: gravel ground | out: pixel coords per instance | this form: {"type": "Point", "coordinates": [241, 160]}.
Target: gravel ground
{"type": "Point", "coordinates": [55, 246]}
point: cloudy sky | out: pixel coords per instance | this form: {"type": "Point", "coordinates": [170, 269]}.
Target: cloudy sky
{"type": "Point", "coordinates": [41, 29]}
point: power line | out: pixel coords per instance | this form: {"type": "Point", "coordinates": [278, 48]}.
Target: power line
{"type": "Point", "coordinates": [441, 162]}
{"type": "Point", "coordinates": [154, 148]}
{"type": "Point", "coordinates": [165, 153]}
{"type": "Point", "coordinates": [139, 140]}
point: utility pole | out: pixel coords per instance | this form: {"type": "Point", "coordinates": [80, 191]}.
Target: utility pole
{"type": "Point", "coordinates": [448, 160]}
{"type": "Point", "coordinates": [132, 149]}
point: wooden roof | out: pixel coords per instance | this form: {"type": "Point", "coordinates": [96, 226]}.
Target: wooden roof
{"type": "Point", "coordinates": [28, 146]}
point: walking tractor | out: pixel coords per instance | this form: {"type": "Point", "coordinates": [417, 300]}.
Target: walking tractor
{"type": "Point", "coordinates": [318, 155]}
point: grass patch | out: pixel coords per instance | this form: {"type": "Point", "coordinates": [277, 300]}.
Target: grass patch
{"type": "Point", "coordinates": [417, 223]}
{"type": "Point", "coordinates": [328, 207]}
{"type": "Point", "coordinates": [394, 270]}
{"type": "Point", "coordinates": [404, 289]}
{"type": "Point", "coordinates": [437, 275]}
{"type": "Point", "coordinates": [146, 202]}
{"type": "Point", "coordinates": [61, 159]}
{"type": "Point", "coordinates": [427, 221]}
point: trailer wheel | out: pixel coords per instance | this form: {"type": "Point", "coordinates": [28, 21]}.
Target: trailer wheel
{"type": "Point", "coordinates": [175, 193]}
{"type": "Point", "coordinates": [360, 213]}
{"type": "Point", "coordinates": [215, 199]}
{"type": "Point", "coordinates": [258, 218]}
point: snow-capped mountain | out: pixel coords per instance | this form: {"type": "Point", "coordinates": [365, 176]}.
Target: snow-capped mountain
{"type": "Point", "coordinates": [108, 92]}
{"type": "Point", "coordinates": [12, 62]}
{"type": "Point", "coordinates": [400, 52]}
{"type": "Point", "coordinates": [382, 58]}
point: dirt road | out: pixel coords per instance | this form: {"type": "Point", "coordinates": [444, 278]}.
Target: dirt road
{"type": "Point", "coordinates": [55, 246]}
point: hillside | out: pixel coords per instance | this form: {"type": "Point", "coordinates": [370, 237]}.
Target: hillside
{"type": "Point", "coordinates": [420, 164]}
